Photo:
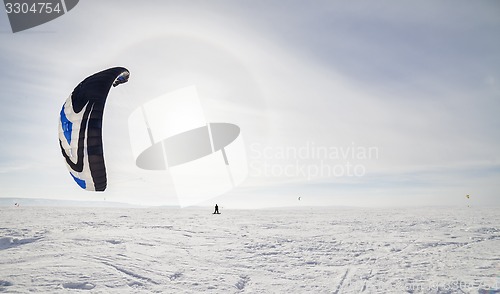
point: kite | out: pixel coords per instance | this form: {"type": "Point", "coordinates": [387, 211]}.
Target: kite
{"type": "Point", "coordinates": [80, 128]}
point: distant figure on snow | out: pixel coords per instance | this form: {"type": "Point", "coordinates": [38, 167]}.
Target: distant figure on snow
{"type": "Point", "coordinates": [216, 209]}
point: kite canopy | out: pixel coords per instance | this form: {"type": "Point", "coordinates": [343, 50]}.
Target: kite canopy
{"type": "Point", "coordinates": [80, 128]}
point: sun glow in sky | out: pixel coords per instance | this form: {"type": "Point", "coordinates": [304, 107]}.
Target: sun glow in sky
{"type": "Point", "coordinates": [369, 104]}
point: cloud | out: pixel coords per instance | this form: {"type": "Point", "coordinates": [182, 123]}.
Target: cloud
{"type": "Point", "coordinates": [414, 80]}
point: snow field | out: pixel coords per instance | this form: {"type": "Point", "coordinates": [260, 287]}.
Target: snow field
{"type": "Point", "coordinates": [307, 250]}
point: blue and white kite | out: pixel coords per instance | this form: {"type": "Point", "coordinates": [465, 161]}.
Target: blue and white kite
{"type": "Point", "coordinates": [80, 128]}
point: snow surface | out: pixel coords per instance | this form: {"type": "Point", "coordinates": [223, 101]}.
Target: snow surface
{"type": "Point", "coordinates": [309, 250]}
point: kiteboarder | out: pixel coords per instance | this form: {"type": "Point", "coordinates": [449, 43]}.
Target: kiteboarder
{"type": "Point", "coordinates": [216, 209]}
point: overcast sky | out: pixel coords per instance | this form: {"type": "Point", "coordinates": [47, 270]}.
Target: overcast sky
{"type": "Point", "coordinates": [367, 103]}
